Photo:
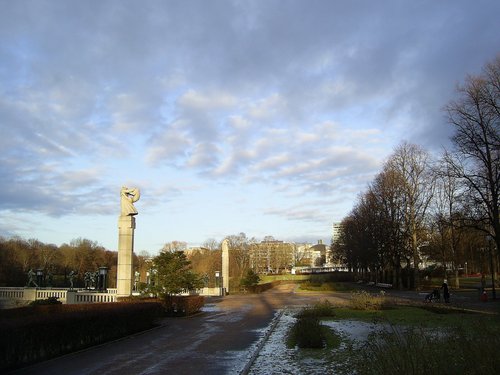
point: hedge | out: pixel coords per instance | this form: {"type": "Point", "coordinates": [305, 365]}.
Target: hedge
{"type": "Point", "coordinates": [36, 333]}
{"type": "Point", "coordinates": [183, 305]}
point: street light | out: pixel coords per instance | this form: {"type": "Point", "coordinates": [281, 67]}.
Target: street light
{"type": "Point", "coordinates": [39, 277]}
{"type": "Point", "coordinates": [492, 265]}
{"type": "Point", "coordinates": [217, 275]}
{"type": "Point", "coordinates": [103, 278]}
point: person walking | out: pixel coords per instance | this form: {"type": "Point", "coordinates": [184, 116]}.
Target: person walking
{"type": "Point", "coordinates": [446, 291]}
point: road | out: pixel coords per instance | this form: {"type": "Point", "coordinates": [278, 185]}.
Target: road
{"type": "Point", "coordinates": [220, 340]}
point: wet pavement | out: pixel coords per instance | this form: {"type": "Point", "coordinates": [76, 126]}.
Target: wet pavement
{"type": "Point", "coordinates": [220, 340]}
{"type": "Point", "coordinates": [223, 339]}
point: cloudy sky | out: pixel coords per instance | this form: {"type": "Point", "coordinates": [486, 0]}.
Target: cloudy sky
{"type": "Point", "coordinates": [264, 117]}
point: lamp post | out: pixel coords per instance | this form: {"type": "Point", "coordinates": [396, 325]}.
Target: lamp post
{"type": "Point", "coordinates": [103, 279]}
{"type": "Point", "coordinates": [492, 266]}
{"type": "Point", "coordinates": [39, 277]}
{"type": "Point", "coordinates": [217, 276]}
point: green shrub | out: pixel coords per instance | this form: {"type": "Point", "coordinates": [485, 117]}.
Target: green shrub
{"type": "Point", "coordinates": [251, 279]}
{"type": "Point", "coordinates": [307, 332]}
{"type": "Point", "coordinates": [183, 305]}
{"type": "Point", "coordinates": [45, 331]}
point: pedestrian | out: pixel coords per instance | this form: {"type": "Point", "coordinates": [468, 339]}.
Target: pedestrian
{"type": "Point", "coordinates": [446, 291]}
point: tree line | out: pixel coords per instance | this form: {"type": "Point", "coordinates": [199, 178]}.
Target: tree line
{"type": "Point", "coordinates": [442, 208]}
{"type": "Point", "coordinates": [18, 256]}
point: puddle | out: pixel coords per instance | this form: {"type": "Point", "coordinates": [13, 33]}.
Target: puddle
{"type": "Point", "coordinates": [276, 358]}
{"type": "Point", "coordinates": [211, 307]}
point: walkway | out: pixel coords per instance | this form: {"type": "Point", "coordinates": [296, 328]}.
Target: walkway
{"type": "Point", "coordinates": [219, 341]}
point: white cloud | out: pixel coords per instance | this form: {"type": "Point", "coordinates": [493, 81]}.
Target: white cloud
{"type": "Point", "coordinates": [308, 98]}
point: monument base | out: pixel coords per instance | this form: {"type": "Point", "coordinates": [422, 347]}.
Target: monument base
{"type": "Point", "coordinates": [124, 281]}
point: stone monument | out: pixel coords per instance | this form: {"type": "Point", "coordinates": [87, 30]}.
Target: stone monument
{"type": "Point", "coordinates": [126, 227]}
{"type": "Point", "coordinates": [225, 265]}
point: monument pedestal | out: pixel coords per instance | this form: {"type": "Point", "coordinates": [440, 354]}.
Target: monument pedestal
{"type": "Point", "coordinates": [124, 282]}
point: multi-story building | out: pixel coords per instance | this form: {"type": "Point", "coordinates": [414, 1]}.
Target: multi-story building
{"type": "Point", "coordinates": [336, 231]}
{"type": "Point", "coordinates": [271, 256]}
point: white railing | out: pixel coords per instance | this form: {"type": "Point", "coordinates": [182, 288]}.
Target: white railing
{"type": "Point", "coordinates": [62, 294]}
{"type": "Point", "coordinates": [89, 297]}
{"type": "Point", "coordinates": [11, 293]}
{"type": "Point", "coordinates": [46, 293]}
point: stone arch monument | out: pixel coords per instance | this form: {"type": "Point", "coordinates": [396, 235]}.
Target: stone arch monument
{"type": "Point", "coordinates": [126, 227]}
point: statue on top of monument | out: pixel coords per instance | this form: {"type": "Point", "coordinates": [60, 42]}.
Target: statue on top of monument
{"type": "Point", "coordinates": [128, 197]}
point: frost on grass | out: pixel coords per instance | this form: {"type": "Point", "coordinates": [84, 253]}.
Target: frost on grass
{"type": "Point", "coordinates": [276, 358]}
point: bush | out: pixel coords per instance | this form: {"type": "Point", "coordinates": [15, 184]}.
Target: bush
{"type": "Point", "coordinates": [363, 300]}
{"type": "Point", "coordinates": [251, 279]}
{"type": "Point", "coordinates": [183, 305]}
{"type": "Point", "coordinates": [48, 301]}
{"type": "Point", "coordinates": [307, 332]}
{"type": "Point", "coordinates": [45, 331]}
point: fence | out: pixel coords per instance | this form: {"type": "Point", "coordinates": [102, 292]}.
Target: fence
{"type": "Point", "coordinates": [63, 295]}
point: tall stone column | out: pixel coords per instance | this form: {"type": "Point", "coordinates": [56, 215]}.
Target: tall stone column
{"type": "Point", "coordinates": [126, 226]}
{"type": "Point", "coordinates": [225, 265]}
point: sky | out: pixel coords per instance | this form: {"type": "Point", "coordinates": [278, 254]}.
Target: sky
{"type": "Point", "coordinates": [263, 117]}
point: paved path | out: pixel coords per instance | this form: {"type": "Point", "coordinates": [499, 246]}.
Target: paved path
{"type": "Point", "coordinates": [219, 341]}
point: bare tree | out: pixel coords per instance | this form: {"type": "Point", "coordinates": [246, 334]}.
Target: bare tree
{"type": "Point", "coordinates": [211, 244]}
{"type": "Point", "coordinates": [388, 191]}
{"type": "Point", "coordinates": [172, 247]}
{"type": "Point", "coordinates": [475, 158]}
{"type": "Point", "coordinates": [446, 216]}
{"type": "Point", "coordinates": [412, 163]}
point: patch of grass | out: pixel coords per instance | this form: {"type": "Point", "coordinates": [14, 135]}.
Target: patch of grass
{"type": "Point", "coordinates": [286, 277]}
{"type": "Point", "coordinates": [325, 286]}
{"type": "Point", "coordinates": [362, 300]}
{"type": "Point", "coordinates": [411, 316]}
{"type": "Point", "coordinates": [416, 351]}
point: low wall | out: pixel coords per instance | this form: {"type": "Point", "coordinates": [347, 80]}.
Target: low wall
{"type": "Point", "coordinates": [211, 292]}
{"type": "Point", "coordinates": [63, 295]}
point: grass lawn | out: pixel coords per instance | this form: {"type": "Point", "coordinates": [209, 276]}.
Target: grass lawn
{"type": "Point", "coordinates": [426, 339]}
{"type": "Point", "coordinates": [425, 316]}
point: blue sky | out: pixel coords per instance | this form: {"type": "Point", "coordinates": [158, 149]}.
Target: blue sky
{"type": "Point", "coordinates": [263, 117]}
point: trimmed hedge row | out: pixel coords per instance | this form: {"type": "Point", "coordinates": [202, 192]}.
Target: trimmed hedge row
{"type": "Point", "coordinates": [32, 334]}
{"type": "Point", "coordinates": [183, 305]}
